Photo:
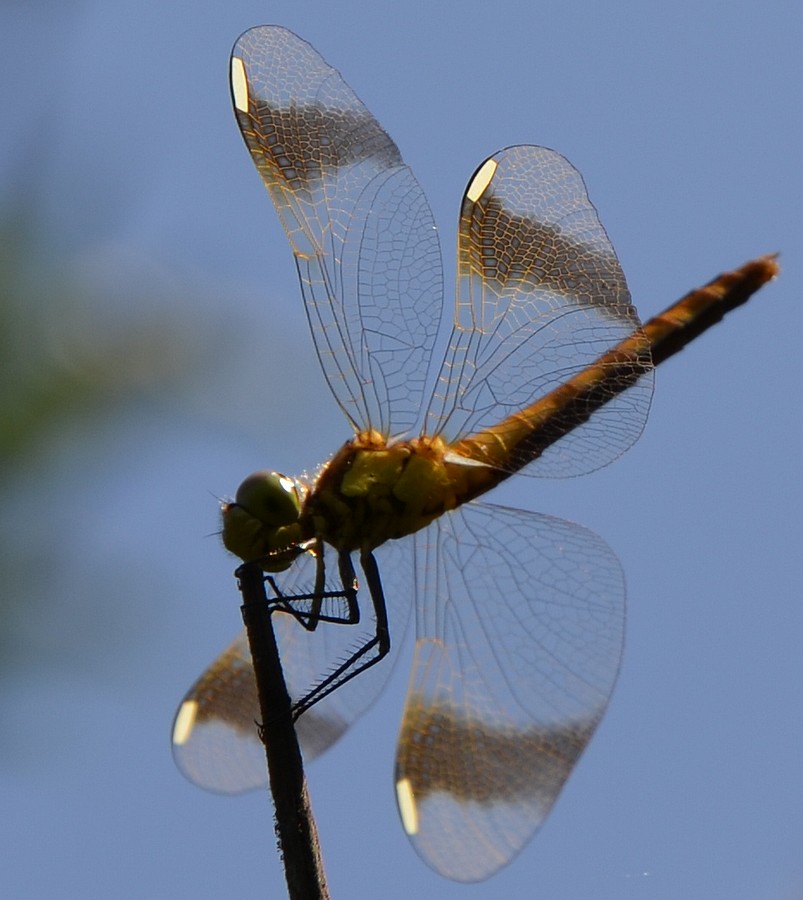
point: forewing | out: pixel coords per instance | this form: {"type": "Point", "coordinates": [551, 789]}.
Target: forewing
{"type": "Point", "coordinates": [215, 736]}
{"type": "Point", "coordinates": [359, 225]}
{"type": "Point", "coordinates": [541, 296]}
{"type": "Point", "coordinates": [520, 627]}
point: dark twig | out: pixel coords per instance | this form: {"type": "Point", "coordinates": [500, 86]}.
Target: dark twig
{"type": "Point", "coordinates": [295, 824]}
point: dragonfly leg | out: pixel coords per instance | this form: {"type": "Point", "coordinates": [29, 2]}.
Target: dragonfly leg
{"type": "Point", "coordinates": [320, 581]}
{"type": "Point", "coordinates": [310, 614]}
{"type": "Point", "coordinates": [373, 650]}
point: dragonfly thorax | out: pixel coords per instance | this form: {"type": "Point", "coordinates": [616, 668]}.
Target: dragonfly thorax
{"type": "Point", "coordinates": [369, 492]}
{"type": "Point", "coordinates": [373, 491]}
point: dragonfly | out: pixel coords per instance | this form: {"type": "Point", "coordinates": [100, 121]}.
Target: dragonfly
{"type": "Point", "coordinates": [544, 369]}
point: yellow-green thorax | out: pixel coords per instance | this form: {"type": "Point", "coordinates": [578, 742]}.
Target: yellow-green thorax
{"type": "Point", "coordinates": [371, 492]}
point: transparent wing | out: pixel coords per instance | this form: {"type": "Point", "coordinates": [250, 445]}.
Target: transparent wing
{"type": "Point", "coordinates": [361, 230]}
{"type": "Point", "coordinates": [519, 635]}
{"type": "Point", "coordinates": [541, 296]}
{"type": "Point", "coordinates": [215, 740]}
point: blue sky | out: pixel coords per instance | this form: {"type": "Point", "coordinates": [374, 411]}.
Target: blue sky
{"type": "Point", "coordinates": [685, 121]}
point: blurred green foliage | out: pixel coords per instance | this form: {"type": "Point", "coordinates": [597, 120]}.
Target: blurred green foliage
{"type": "Point", "coordinates": [74, 362]}
{"type": "Point", "coordinates": [56, 364]}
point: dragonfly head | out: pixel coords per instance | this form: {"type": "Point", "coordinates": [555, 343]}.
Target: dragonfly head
{"type": "Point", "coordinates": [262, 524]}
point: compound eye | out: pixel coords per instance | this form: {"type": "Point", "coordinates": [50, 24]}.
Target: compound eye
{"type": "Point", "coordinates": [270, 497]}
